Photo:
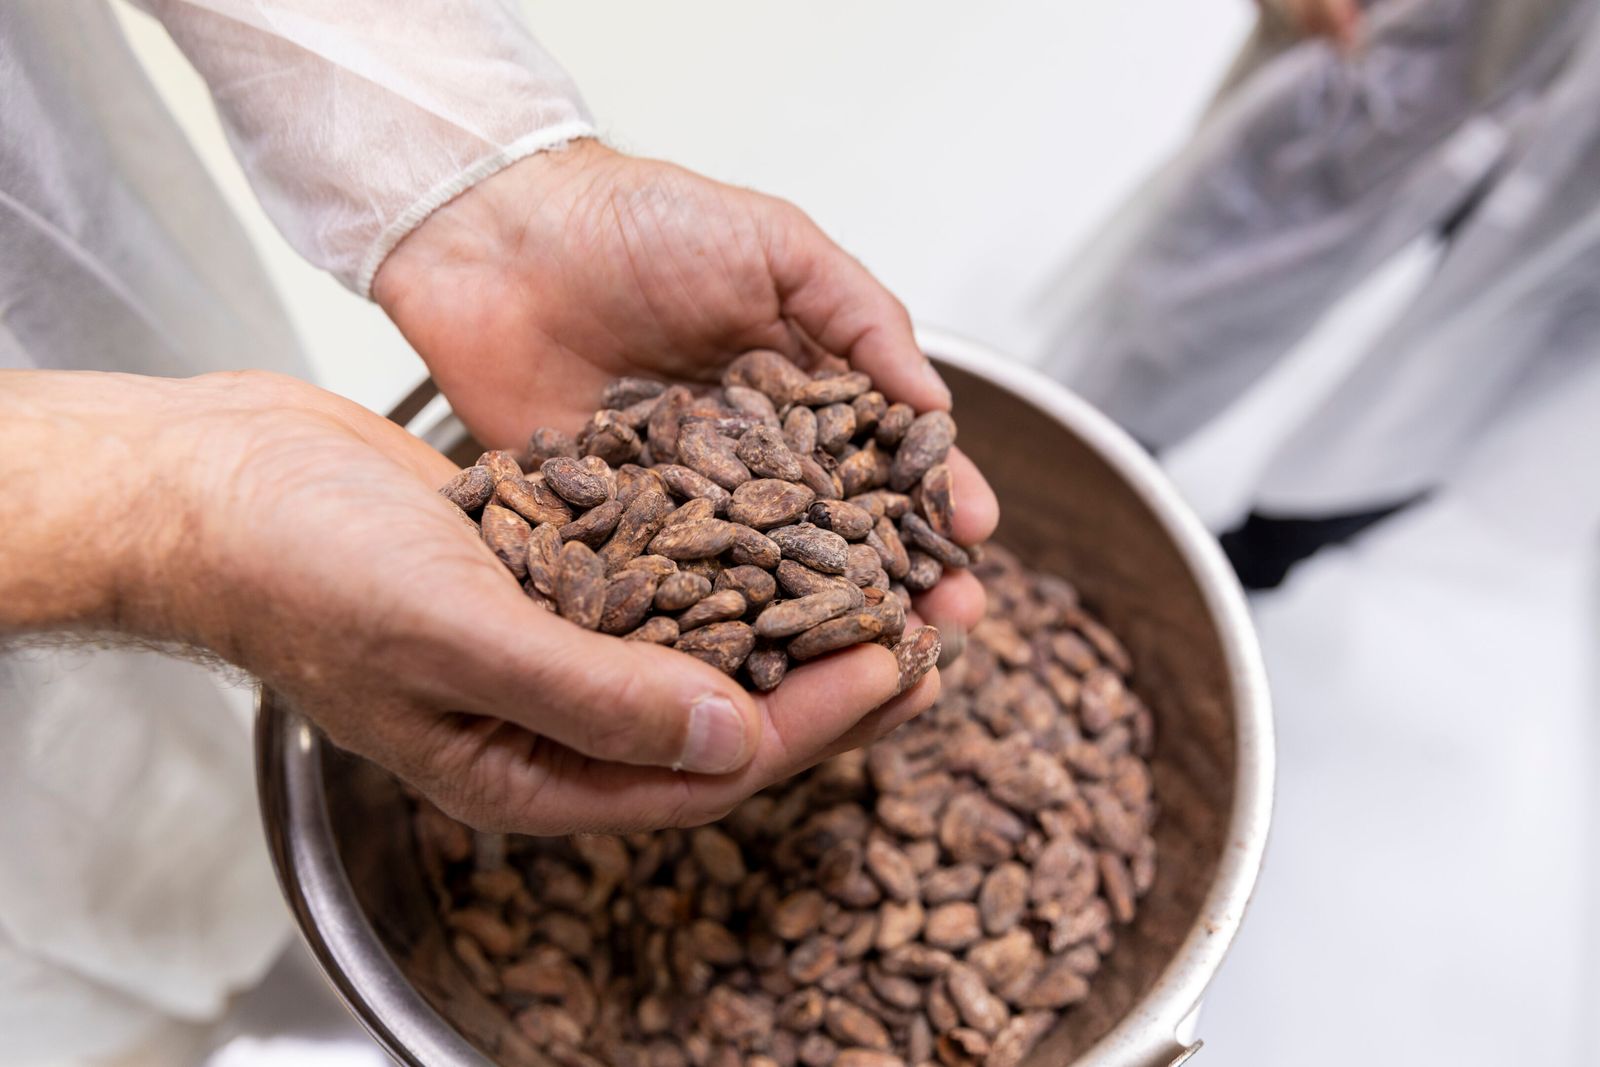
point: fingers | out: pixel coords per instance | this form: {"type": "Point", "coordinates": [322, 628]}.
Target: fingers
{"type": "Point", "coordinates": [840, 306]}
{"type": "Point", "coordinates": [621, 701]}
{"type": "Point", "coordinates": [517, 782]}
{"type": "Point", "coordinates": [977, 511]}
{"type": "Point", "coordinates": [956, 603]}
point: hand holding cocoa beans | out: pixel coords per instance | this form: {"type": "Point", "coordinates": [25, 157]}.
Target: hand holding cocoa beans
{"type": "Point", "coordinates": [783, 517]}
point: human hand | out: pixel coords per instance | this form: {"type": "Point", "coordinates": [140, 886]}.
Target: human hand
{"type": "Point", "coordinates": [302, 537]}
{"type": "Point", "coordinates": [1339, 20]}
{"type": "Point", "coordinates": [529, 292]}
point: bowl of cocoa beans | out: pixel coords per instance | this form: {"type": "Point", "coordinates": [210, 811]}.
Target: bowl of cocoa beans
{"type": "Point", "coordinates": [1046, 868]}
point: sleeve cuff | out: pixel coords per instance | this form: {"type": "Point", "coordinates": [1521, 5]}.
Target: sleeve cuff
{"type": "Point", "coordinates": [413, 216]}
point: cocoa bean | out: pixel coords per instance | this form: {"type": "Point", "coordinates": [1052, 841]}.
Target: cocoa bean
{"type": "Point", "coordinates": [926, 442]}
{"type": "Point", "coordinates": [627, 601]}
{"type": "Point", "coordinates": [544, 558]}
{"type": "Point", "coordinates": [832, 390]}
{"type": "Point", "coordinates": [768, 502]}
{"type": "Point", "coordinates": [835, 425]}
{"type": "Point", "coordinates": [789, 617]}
{"type": "Point", "coordinates": [821, 550]}
{"type": "Point", "coordinates": [756, 585]}
{"type": "Point", "coordinates": [717, 607]}
{"type": "Point", "coordinates": [594, 526]}
{"type": "Point", "coordinates": [690, 485]}
{"type": "Point", "coordinates": [507, 534]}
{"type": "Point", "coordinates": [545, 443]}
{"type": "Point", "coordinates": [752, 548]}
{"type": "Point", "coordinates": [940, 548]}
{"type": "Point", "coordinates": [916, 653]}
{"type": "Point", "coordinates": [853, 629]}
{"type": "Point", "coordinates": [936, 501]}
{"type": "Point", "coordinates": [471, 489]}
{"type": "Point", "coordinates": [581, 585]}
{"type": "Point", "coordinates": [699, 539]}
{"type": "Point", "coordinates": [800, 430]}
{"type": "Point", "coordinates": [712, 455]}
{"type": "Point", "coordinates": [638, 526]}
{"type": "Point", "coordinates": [573, 482]}
{"type": "Point", "coordinates": [625, 392]}
{"type": "Point", "coordinates": [724, 645]}
{"type": "Point", "coordinates": [766, 372]}
{"type": "Point", "coordinates": [767, 667]}
{"type": "Point", "coordinates": [763, 450]}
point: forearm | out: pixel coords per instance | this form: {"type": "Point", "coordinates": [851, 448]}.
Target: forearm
{"type": "Point", "coordinates": [89, 514]}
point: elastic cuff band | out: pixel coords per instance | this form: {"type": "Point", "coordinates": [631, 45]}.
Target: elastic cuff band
{"type": "Point", "coordinates": [446, 191]}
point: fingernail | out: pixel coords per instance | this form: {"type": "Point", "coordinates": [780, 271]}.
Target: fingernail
{"type": "Point", "coordinates": [716, 737]}
{"type": "Point", "coordinates": [931, 375]}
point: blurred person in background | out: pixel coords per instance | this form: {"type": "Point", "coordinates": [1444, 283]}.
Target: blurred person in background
{"type": "Point", "coordinates": [1359, 317]}
{"type": "Point", "coordinates": [297, 535]}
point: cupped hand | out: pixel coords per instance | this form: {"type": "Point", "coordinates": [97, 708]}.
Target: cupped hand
{"type": "Point", "coordinates": [529, 292]}
{"type": "Point", "coordinates": [308, 544]}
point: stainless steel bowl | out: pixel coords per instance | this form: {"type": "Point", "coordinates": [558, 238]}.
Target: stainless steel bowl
{"type": "Point", "coordinates": [1078, 498]}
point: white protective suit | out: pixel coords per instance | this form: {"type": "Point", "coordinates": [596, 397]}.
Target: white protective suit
{"type": "Point", "coordinates": [1430, 889]}
{"type": "Point", "coordinates": [134, 885]}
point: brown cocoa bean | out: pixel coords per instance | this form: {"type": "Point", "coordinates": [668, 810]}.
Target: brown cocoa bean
{"type": "Point", "coordinates": [848, 520]}
{"type": "Point", "coordinates": [864, 470]}
{"type": "Point", "coordinates": [821, 550]}
{"type": "Point", "coordinates": [799, 580]}
{"type": "Point", "coordinates": [701, 539]}
{"type": "Point", "coordinates": [609, 436]}
{"type": "Point", "coordinates": [936, 501]}
{"type": "Point", "coordinates": [752, 402]}
{"type": "Point", "coordinates": [885, 541]}
{"type": "Point", "coordinates": [545, 443]}
{"type": "Point", "coordinates": [768, 502]}
{"type": "Point", "coordinates": [544, 558]}
{"type": "Point", "coordinates": [922, 571]}
{"type": "Point", "coordinates": [789, 617]}
{"type": "Point", "coordinates": [625, 392]}
{"type": "Point", "coordinates": [1019, 1038]}
{"type": "Point", "coordinates": [724, 645]}
{"type": "Point", "coordinates": [943, 549]}
{"type": "Point", "coordinates": [815, 477]}
{"type": "Point", "coordinates": [763, 450]}
{"type": "Point", "coordinates": [710, 454]}
{"type": "Point", "coordinates": [979, 1008]}
{"type": "Point", "coordinates": [657, 631]}
{"type": "Point", "coordinates": [681, 590]}
{"type": "Point", "coordinates": [692, 485]}
{"type": "Point", "coordinates": [868, 408]}
{"type": "Point", "coordinates": [471, 489]}
{"type": "Point", "coordinates": [851, 1026]}
{"type": "Point", "coordinates": [594, 526]}
{"type": "Point", "coordinates": [767, 372]}
{"type": "Point", "coordinates": [893, 870]}
{"type": "Point", "coordinates": [752, 548]}
{"type": "Point", "coordinates": [835, 425]}
{"type": "Point", "coordinates": [767, 667]}
{"type": "Point", "coordinates": [953, 926]}
{"type": "Point", "coordinates": [507, 535]}
{"type": "Point", "coordinates": [532, 499]}
{"type": "Point", "coordinates": [1003, 898]}
{"type": "Point", "coordinates": [665, 421]}
{"type": "Point", "coordinates": [581, 585]}
{"type": "Point", "coordinates": [927, 442]}
{"type": "Point", "coordinates": [832, 389]}
{"type": "Point", "coordinates": [716, 607]}
{"type": "Point", "coordinates": [916, 653]}
{"type": "Point", "coordinates": [636, 528]}
{"type": "Point", "coordinates": [573, 482]}
{"type": "Point", "coordinates": [627, 601]}
{"type": "Point", "coordinates": [853, 629]}
{"type": "Point", "coordinates": [863, 568]}
{"type": "Point", "coordinates": [756, 585]}
{"type": "Point", "coordinates": [800, 430]}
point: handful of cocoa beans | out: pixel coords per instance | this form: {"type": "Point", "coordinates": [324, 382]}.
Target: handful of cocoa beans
{"type": "Point", "coordinates": [776, 519]}
{"type": "Point", "coordinates": [940, 898]}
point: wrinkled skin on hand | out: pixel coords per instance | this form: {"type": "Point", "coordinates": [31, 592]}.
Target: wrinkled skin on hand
{"type": "Point", "coordinates": [302, 537]}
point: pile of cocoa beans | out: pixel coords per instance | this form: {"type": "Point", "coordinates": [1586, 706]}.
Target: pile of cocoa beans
{"type": "Point", "coordinates": [773, 520]}
{"type": "Point", "coordinates": [940, 898]}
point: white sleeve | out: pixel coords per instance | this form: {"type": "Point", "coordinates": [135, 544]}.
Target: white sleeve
{"type": "Point", "coordinates": [356, 120]}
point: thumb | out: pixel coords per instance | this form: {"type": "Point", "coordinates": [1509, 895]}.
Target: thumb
{"type": "Point", "coordinates": [606, 698]}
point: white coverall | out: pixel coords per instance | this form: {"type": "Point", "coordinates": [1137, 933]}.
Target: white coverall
{"type": "Point", "coordinates": [1368, 278]}
{"type": "Point", "coordinates": [134, 885]}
